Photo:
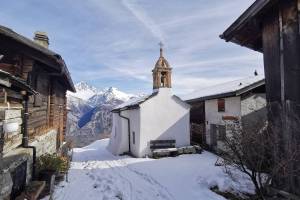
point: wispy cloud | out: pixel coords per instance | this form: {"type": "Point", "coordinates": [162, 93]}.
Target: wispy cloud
{"type": "Point", "coordinates": [142, 16]}
{"type": "Point", "coordinates": [114, 43]}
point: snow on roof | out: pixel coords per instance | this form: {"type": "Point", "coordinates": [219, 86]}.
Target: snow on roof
{"type": "Point", "coordinates": [225, 89]}
{"type": "Point", "coordinates": [133, 102]}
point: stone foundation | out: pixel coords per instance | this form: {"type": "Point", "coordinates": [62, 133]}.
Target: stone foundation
{"type": "Point", "coordinates": [11, 160]}
{"type": "Point", "coordinates": [9, 163]}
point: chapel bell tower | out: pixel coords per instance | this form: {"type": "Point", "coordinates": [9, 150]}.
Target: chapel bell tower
{"type": "Point", "coordinates": [161, 72]}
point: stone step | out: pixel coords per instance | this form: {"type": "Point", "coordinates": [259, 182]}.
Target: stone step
{"type": "Point", "coordinates": [32, 191]}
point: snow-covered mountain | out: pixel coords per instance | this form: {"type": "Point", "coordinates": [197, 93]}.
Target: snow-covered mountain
{"type": "Point", "coordinates": [89, 116]}
{"type": "Point", "coordinates": [84, 91]}
{"type": "Point", "coordinates": [109, 95]}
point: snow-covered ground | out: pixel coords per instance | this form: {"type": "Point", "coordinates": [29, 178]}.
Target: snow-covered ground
{"type": "Point", "coordinates": [97, 174]}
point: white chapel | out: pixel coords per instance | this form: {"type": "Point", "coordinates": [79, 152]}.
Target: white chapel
{"type": "Point", "coordinates": [158, 116]}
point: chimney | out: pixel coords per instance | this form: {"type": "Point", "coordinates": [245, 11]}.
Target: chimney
{"type": "Point", "coordinates": [41, 38]}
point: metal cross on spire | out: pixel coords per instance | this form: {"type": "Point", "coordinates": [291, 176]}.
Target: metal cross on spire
{"type": "Point", "coordinates": [161, 48]}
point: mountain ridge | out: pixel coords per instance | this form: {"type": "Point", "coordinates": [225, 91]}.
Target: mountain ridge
{"type": "Point", "coordinates": [89, 116]}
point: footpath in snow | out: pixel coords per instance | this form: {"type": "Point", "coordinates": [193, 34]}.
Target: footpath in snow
{"type": "Point", "coordinates": [97, 174]}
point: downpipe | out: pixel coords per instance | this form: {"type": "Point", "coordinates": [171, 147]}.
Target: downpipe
{"type": "Point", "coordinates": [25, 139]}
{"type": "Point", "coordinates": [1, 141]}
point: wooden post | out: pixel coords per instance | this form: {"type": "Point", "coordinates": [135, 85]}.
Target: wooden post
{"type": "Point", "coordinates": [281, 47]}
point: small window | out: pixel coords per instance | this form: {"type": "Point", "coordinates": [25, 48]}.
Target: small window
{"type": "Point", "coordinates": [221, 105]}
{"type": "Point", "coordinates": [222, 132]}
{"type": "Point", "coordinates": [133, 137]}
{"type": "Point", "coordinates": [38, 101]}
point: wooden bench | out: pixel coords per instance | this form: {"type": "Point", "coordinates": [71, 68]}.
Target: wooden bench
{"type": "Point", "coordinates": [163, 148]}
{"type": "Point", "coordinates": [162, 144]}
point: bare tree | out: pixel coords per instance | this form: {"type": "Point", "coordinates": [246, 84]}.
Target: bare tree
{"type": "Point", "coordinates": [257, 152]}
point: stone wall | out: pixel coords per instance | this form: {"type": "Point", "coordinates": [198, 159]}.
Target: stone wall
{"type": "Point", "coordinates": [45, 143]}
{"type": "Point", "coordinates": [14, 155]}
{"type": "Point", "coordinates": [12, 159]}
{"type": "Point", "coordinates": [8, 164]}
{"type": "Point", "coordinates": [254, 112]}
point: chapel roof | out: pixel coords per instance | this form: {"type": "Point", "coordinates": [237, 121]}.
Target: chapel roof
{"type": "Point", "coordinates": [133, 103]}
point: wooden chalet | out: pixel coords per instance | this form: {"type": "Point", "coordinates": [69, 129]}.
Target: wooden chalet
{"type": "Point", "coordinates": [272, 28]}
{"type": "Point", "coordinates": [33, 85]}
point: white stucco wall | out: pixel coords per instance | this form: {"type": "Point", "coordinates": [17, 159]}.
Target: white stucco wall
{"type": "Point", "coordinates": [134, 116]}
{"type": "Point", "coordinates": [212, 116]}
{"type": "Point", "coordinates": [118, 143]}
{"type": "Point", "coordinates": [119, 136]}
{"type": "Point", "coordinates": [164, 117]}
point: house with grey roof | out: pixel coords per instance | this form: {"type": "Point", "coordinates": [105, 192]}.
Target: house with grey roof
{"type": "Point", "coordinates": [216, 108]}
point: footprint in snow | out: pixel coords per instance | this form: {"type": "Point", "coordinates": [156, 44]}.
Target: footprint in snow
{"type": "Point", "coordinates": [107, 188]}
{"type": "Point", "coordinates": [99, 179]}
{"type": "Point", "coordinates": [92, 177]}
{"type": "Point", "coordinates": [119, 195]}
{"type": "Point", "coordinates": [109, 181]}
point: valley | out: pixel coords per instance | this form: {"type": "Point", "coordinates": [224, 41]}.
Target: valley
{"type": "Point", "coordinates": [89, 116]}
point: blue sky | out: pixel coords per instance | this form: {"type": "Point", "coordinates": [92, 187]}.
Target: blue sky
{"type": "Point", "coordinates": [115, 42]}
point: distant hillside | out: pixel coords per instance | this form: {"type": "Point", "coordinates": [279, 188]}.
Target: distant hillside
{"type": "Point", "coordinates": [89, 117]}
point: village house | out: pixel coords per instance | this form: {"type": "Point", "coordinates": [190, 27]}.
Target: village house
{"type": "Point", "coordinates": [160, 116]}
{"type": "Point", "coordinates": [272, 28]}
{"type": "Point", "coordinates": [215, 109]}
{"type": "Point", "coordinates": [33, 85]}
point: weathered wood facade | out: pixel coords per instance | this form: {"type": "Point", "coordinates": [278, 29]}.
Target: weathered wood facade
{"type": "Point", "coordinates": [273, 28]}
{"type": "Point", "coordinates": [45, 72]}
{"type": "Point", "coordinates": [11, 107]}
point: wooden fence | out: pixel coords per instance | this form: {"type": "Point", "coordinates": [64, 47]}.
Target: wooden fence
{"type": "Point", "coordinates": [198, 134]}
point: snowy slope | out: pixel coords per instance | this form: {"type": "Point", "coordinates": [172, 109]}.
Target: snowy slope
{"type": "Point", "coordinates": [97, 174]}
